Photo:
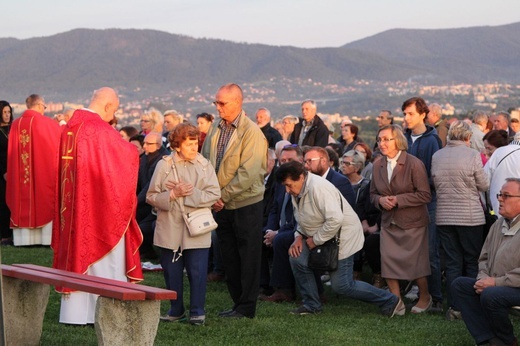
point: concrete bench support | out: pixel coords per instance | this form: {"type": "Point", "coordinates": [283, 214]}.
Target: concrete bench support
{"type": "Point", "coordinates": [131, 322]}
{"type": "Point", "coordinates": [24, 306]}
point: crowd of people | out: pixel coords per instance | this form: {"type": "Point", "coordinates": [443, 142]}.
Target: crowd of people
{"type": "Point", "coordinates": [406, 210]}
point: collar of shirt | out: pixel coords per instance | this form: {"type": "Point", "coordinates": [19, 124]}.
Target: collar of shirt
{"type": "Point", "coordinates": [234, 123]}
{"type": "Point", "coordinates": [307, 123]}
{"type": "Point", "coordinates": [325, 174]}
{"type": "Point", "coordinates": [510, 227]}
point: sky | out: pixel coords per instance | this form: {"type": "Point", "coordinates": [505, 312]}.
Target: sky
{"type": "Point", "coordinates": [299, 23]}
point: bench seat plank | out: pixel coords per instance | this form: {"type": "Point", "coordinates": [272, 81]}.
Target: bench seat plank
{"type": "Point", "coordinates": [151, 293]}
{"type": "Point", "coordinates": [79, 284]}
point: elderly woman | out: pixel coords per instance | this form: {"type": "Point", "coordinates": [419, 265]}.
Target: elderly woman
{"type": "Point", "coordinates": [458, 176]}
{"type": "Point", "coordinates": [352, 164]}
{"type": "Point", "coordinates": [185, 177]}
{"type": "Point", "coordinates": [364, 149]}
{"type": "Point", "coordinates": [7, 119]}
{"type": "Point", "coordinates": [320, 212]}
{"type": "Point", "coordinates": [400, 189]}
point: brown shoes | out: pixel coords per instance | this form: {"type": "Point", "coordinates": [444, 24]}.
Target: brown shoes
{"type": "Point", "coordinates": [278, 296]}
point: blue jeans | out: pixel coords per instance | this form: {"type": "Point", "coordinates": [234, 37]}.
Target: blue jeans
{"type": "Point", "coordinates": [342, 283]}
{"type": "Point", "coordinates": [486, 315]}
{"type": "Point", "coordinates": [462, 245]}
{"type": "Point", "coordinates": [435, 279]}
{"type": "Point", "coordinates": [196, 263]}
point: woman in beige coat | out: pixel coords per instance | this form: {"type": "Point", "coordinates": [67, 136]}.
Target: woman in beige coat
{"type": "Point", "coordinates": [185, 177]}
{"type": "Point", "coordinates": [400, 189]}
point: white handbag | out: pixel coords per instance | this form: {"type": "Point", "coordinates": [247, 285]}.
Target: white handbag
{"type": "Point", "coordinates": [199, 221]}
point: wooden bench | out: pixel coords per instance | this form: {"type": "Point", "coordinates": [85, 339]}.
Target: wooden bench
{"type": "Point", "coordinates": [126, 313]}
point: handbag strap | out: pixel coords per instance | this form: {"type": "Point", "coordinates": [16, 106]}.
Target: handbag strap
{"type": "Point", "coordinates": [176, 177]}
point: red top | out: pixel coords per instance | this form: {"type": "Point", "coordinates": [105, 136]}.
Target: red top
{"type": "Point", "coordinates": [32, 166]}
{"type": "Point", "coordinates": [97, 201]}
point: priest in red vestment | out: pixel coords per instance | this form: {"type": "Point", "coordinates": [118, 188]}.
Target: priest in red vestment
{"type": "Point", "coordinates": [95, 231]}
{"type": "Point", "coordinates": [32, 167]}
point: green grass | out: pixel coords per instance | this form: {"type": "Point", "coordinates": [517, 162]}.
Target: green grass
{"type": "Point", "coordinates": [343, 321]}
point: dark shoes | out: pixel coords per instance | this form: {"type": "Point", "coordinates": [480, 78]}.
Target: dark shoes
{"type": "Point", "coordinates": [214, 277]}
{"type": "Point", "coordinates": [452, 315]}
{"type": "Point", "coordinates": [278, 296]}
{"type": "Point", "coordinates": [302, 311]}
{"type": "Point", "coordinates": [232, 314]}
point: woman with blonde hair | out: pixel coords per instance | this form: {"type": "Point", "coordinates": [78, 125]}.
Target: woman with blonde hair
{"type": "Point", "coordinates": [400, 189]}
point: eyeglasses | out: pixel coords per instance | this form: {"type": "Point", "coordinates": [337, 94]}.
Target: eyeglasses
{"type": "Point", "coordinates": [384, 140]}
{"type": "Point", "coordinates": [220, 103]}
{"type": "Point", "coordinates": [504, 196]}
{"type": "Point", "coordinates": [308, 161]}
{"type": "Point", "coordinates": [346, 163]}
{"type": "Point", "coordinates": [145, 121]}
{"type": "Point", "coordinates": [43, 104]}
{"type": "Point", "coordinates": [149, 143]}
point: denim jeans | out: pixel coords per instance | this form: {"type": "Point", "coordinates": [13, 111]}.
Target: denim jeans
{"type": "Point", "coordinates": [462, 245]}
{"type": "Point", "coordinates": [486, 315]}
{"type": "Point", "coordinates": [196, 263]}
{"type": "Point", "coordinates": [435, 279]}
{"type": "Point", "coordinates": [342, 283]}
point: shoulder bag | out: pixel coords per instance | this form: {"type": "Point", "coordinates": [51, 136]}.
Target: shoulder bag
{"type": "Point", "coordinates": [199, 221]}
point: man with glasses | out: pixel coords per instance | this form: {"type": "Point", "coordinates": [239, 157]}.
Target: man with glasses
{"type": "Point", "coordinates": [504, 163]}
{"type": "Point", "coordinates": [32, 168]}
{"type": "Point", "coordinates": [237, 148]}
{"type": "Point", "coordinates": [486, 300]}
{"type": "Point", "coordinates": [153, 152]}
{"type": "Point", "coordinates": [317, 161]}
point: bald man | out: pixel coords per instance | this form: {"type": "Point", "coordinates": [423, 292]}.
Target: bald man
{"type": "Point", "coordinates": [237, 148]}
{"type": "Point", "coordinates": [31, 174]}
{"type": "Point", "coordinates": [95, 231]}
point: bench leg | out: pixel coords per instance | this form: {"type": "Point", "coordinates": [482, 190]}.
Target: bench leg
{"type": "Point", "coordinates": [24, 308]}
{"type": "Point", "coordinates": [131, 322]}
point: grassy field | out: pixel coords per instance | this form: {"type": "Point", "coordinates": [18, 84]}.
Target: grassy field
{"type": "Point", "coordinates": [343, 321]}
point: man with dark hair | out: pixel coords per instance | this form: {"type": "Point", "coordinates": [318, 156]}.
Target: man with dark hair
{"type": "Point", "coordinates": [237, 148]}
{"type": "Point", "coordinates": [423, 142]}
{"type": "Point", "coordinates": [311, 130]}
{"type": "Point", "coordinates": [32, 167]}
{"type": "Point", "coordinates": [317, 161]}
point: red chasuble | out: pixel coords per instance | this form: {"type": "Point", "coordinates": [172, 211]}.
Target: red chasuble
{"type": "Point", "coordinates": [97, 200]}
{"type": "Point", "coordinates": [32, 166]}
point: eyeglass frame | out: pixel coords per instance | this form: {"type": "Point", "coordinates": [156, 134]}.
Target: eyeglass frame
{"type": "Point", "coordinates": [308, 161]}
{"type": "Point", "coordinates": [505, 196]}
{"type": "Point", "coordinates": [384, 140]}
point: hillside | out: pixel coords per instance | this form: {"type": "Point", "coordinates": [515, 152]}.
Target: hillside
{"type": "Point", "coordinates": [71, 64]}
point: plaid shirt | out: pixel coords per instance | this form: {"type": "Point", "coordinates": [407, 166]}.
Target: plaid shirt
{"type": "Point", "coordinates": [226, 131]}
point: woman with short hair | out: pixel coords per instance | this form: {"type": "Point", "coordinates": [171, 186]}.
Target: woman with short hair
{"type": "Point", "coordinates": [185, 177]}
{"type": "Point", "coordinates": [459, 178]}
{"type": "Point", "coordinates": [400, 189]}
